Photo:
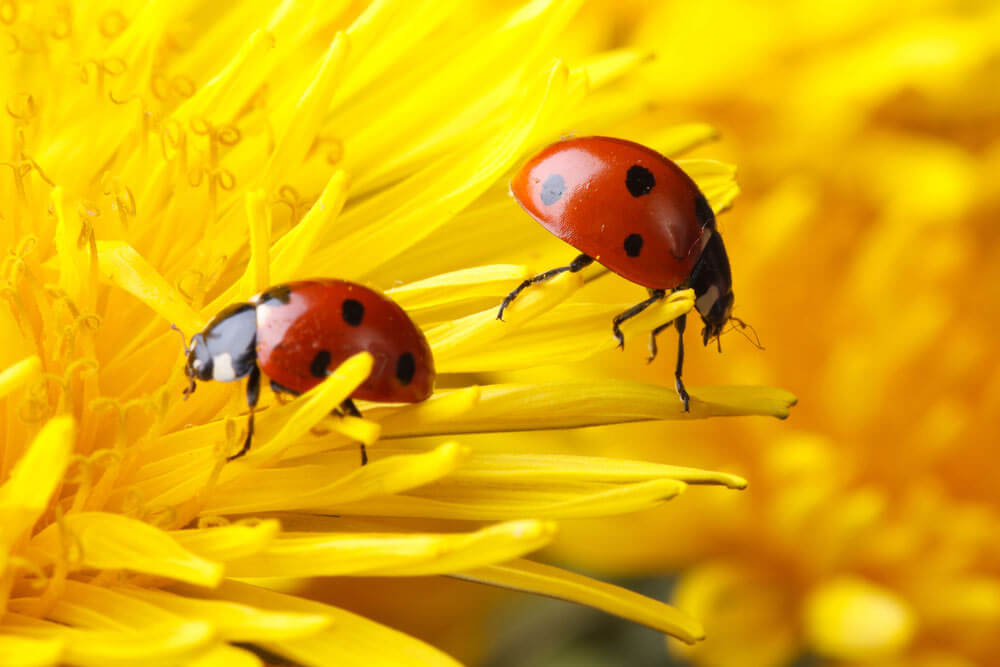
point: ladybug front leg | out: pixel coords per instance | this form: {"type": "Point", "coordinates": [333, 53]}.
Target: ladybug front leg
{"type": "Point", "coordinates": [654, 296]}
{"type": "Point", "coordinates": [681, 323]}
{"type": "Point", "coordinates": [253, 395]}
{"type": "Point", "coordinates": [349, 408]}
{"type": "Point", "coordinates": [577, 264]}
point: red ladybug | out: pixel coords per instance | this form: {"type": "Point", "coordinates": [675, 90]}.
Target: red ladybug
{"type": "Point", "coordinates": [638, 214]}
{"type": "Point", "coordinates": [298, 332]}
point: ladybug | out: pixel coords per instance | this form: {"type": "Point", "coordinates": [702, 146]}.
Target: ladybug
{"type": "Point", "coordinates": [638, 214]}
{"type": "Point", "coordinates": [297, 333]}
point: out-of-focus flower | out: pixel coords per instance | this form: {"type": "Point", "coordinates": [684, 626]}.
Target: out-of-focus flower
{"type": "Point", "coordinates": [865, 253]}
{"type": "Point", "coordinates": [164, 159]}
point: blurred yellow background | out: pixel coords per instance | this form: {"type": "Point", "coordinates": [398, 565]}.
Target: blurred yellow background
{"type": "Point", "coordinates": [865, 253]}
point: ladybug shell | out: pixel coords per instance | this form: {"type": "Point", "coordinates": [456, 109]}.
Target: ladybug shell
{"type": "Point", "coordinates": [625, 205]}
{"type": "Point", "coordinates": [306, 329]}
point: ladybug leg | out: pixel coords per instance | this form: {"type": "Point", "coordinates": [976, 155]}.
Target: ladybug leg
{"type": "Point", "coordinates": [654, 296]}
{"type": "Point", "coordinates": [681, 323]}
{"type": "Point", "coordinates": [253, 395]}
{"type": "Point", "coordinates": [652, 340]}
{"type": "Point", "coordinates": [576, 265]}
{"type": "Point", "coordinates": [349, 408]}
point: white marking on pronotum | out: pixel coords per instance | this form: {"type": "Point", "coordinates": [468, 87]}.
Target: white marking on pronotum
{"type": "Point", "coordinates": [222, 368]}
{"type": "Point", "coordinates": [705, 302]}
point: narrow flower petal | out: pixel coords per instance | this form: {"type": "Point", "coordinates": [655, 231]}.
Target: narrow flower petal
{"type": "Point", "coordinates": [454, 340]}
{"type": "Point", "coordinates": [566, 501]}
{"type": "Point", "coordinates": [525, 575]}
{"type": "Point", "coordinates": [161, 643]}
{"type": "Point", "coordinates": [113, 541]}
{"type": "Point", "coordinates": [123, 266]}
{"type": "Point", "coordinates": [257, 276]}
{"type": "Point", "coordinates": [15, 376]}
{"type": "Point", "coordinates": [26, 652]}
{"type": "Point", "coordinates": [292, 249]}
{"type": "Point", "coordinates": [224, 543]}
{"type": "Point", "coordinates": [568, 333]}
{"type": "Point", "coordinates": [26, 493]}
{"type": "Point", "coordinates": [295, 487]}
{"type": "Point", "coordinates": [352, 638]}
{"type": "Point", "coordinates": [544, 469]}
{"type": "Point", "coordinates": [576, 403]}
{"type": "Point", "coordinates": [224, 655]}
{"type": "Point", "coordinates": [404, 554]}
{"type": "Point", "coordinates": [235, 622]}
{"type": "Point", "coordinates": [423, 298]}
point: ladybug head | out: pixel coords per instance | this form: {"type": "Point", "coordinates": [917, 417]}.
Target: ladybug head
{"type": "Point", "coordinates": [226, 349]}
{"type": "Point", "coordinates": [717, 316]}
{"type": "Point", "coordinates": [712, 282]}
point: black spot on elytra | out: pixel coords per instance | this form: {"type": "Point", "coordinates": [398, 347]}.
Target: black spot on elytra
{"type": "Point", "coordinates": [633, 245]}
{"type": "Point", "coordinates": [639, 180]}
{"type": "Point", "coordinates": [320, 364]}
{"type": "Point", "coordinates": [553, 189]}
{"type": "Point", "coordinates": [406, 366]}
{"type": "Point", "coordinates": [704, 213]}
{"type": "Point", "coordinates": [353, 312]}
{"type": "Point", "coordinates": [279, 293]}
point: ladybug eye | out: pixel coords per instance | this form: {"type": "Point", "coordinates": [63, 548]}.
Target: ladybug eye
{"type": "Point", "coordinates": [639, 180]}
{"type": "Point", "coordinates": [406, 366]}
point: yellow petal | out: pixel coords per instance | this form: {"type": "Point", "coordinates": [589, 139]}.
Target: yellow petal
{"type": "Point", "coordinates": [113, 541]}
{"type": "Point", "coordinates": [352, 639]}
{"type": "Point", "coordinates": [26, 652]}
{"type": "Point", "coordinates": [224, 655]}
{"type": "Point", "coordinates": [384, 554]}
{"type": "Point", "coordinates": [544, 469]}
{"type": "Point", "coordinates": [460, 500]}
{"type": "Point", "coordinates": [26, 493]}
{"type": "Point", "coordinates": [454, 341]}
{"type": "Point", "coordinates": [257, 277]}
{"type": "Point", "coordinates": [224, 543]}
{"type": "Point", "coordinates": [568, 333]}
{"type": "Point", "coordinates": [123, 266]}
{"type": "Point", "coordinates": [524, 575]}
{"type": "Point", "coordinates": [15, 376]}
{"type": "Point", "coordinates": [445, 500]}
{"type": "Point", "coordinates": [159, 644]}
{"type": "Point", "coordinates": [297, 487]}
{"type": "Point", "coordinates": [576, 403]}
{"type": "Point", "coordinates": [233, 621]}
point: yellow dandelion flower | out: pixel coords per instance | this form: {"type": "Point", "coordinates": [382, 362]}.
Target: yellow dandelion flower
{"type": "Point", "coordinates": [865, 253]}
{"type": "Point", "coordinates": [165, 159]}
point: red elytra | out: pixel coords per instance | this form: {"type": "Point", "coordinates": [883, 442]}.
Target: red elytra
{"type": "Point", "coordinates": [299, 332]}
{"type": "Point", "coordinates": [623, 204]}
{"type": "Point", "coordinates": [306, 329]}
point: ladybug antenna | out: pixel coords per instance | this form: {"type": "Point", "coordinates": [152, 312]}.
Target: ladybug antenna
{"type": "Point", "coordinates": [183, 339]}
{"type": "Point", "coordinates": [188, 390]}
{"type": "Point", "coordinates": [741, 326]}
